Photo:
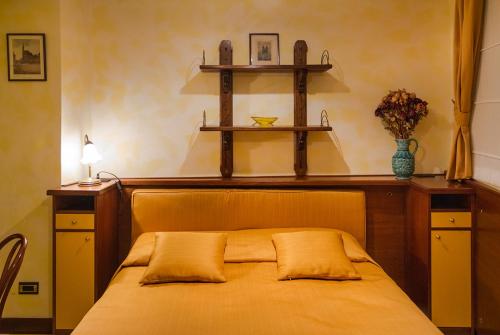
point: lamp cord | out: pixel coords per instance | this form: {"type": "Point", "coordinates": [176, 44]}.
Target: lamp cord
{"type": "Point", "coordinates": [118, 185]}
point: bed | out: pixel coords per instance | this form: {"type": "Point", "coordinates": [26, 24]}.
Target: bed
{"type": "Point", "coordinates": [252, 300]}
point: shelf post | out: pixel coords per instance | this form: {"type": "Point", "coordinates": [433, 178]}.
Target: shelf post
{"type": "Point", "coordinates": [300, 107]}
{"type": "Point", "coordinates": [226, 109]}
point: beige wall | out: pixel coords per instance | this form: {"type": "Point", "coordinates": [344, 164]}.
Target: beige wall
{"type": "Point", "coordinates": [146, 94]}
{"type": "Point", "coordinates": [130, 80]}
{"type": "Point", "coordinates": [30, 151]}
{"type": "Point", "coordinates": [75, 83]}
{"type": "Point", "coordinates": [486, 116]}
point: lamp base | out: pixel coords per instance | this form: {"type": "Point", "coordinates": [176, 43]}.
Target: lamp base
{"type": "Point", "coordinates": [89, 182]}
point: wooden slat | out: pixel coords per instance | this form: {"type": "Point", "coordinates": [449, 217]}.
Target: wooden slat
{"type": "Point", "coordinates": [226, 109]}
{"type": "Point", "coordinates": [300, 106]}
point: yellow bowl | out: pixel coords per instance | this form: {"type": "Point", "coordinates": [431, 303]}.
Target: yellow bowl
{"type": "Point", "coordinates": [263, 121]}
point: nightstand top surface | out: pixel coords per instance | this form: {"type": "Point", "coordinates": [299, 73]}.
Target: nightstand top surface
{"type": "Point", "coordinates": [75, 189]}
{"type": "Point", "coordinates": [439, 184]}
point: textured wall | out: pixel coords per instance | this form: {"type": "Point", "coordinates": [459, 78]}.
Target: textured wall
{"type": "Point", "coordinates": [75, 85]}
{"type": "Point", "coordinates": [486, 116]}
{"type": "Point", "coordinates": [146, 94]}
{"type": "Point", "coordinates": [30, 151]}
{"type": "Point", "coordinates": [130, 79]}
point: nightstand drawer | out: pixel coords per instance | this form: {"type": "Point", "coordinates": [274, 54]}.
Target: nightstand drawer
{"type": "Point", "coordinates": [451, 220]}
{"type": "Point", "coordinates": [75, 221]}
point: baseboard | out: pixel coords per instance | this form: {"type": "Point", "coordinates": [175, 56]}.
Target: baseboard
{"type": "Point", "coordinates": [25, 325]}
{"type": "Point", "coordinates": [456, 330]}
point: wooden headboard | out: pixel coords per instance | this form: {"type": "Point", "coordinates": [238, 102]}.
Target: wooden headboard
{"type": "Point", "coordinates": [232, 209]}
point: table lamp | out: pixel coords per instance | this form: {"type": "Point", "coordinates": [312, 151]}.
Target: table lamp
{"type": "Point", "coordinates": [90, 156]}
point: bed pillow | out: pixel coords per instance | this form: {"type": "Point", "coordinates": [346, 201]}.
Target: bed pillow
{"type": "Point", "coordinates": [186, 257]}
{"type": "Point", "coordinates": [256, 245]}
{"type": "Point", "coordinates": [312, 254]}
{"type": "Point", "coordinates": [247, 245]}
{"type": "Point", "coordinates": [141, 250]}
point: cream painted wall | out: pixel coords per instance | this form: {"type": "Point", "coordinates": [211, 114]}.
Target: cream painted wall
{"type": "Point", "coordinates": [30, 151]}
{"type": "Point", "coordinates": [145, 94]}
{"type": "Point", "coordinates": [75, 79]}
{"type": "Point", "coordinates": [130, 79]}
{"type": "Point", "coordinates": [486, 116]}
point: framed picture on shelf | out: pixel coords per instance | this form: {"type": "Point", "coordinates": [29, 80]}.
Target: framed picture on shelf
{"type": "Point", "coordinates": [26, 57]}
{"type": "Point", "coordinates": [264, 49]}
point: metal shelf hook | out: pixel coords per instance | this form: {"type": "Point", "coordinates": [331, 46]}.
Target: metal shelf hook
{"type": "Point", "coordinates": [325, 56]}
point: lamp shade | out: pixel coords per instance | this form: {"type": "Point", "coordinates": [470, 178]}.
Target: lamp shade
{"type": "Point", "coordinates": [90, 153]}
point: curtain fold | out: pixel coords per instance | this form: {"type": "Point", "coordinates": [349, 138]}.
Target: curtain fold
{"type": "Point", "coordinates": [467, 40]}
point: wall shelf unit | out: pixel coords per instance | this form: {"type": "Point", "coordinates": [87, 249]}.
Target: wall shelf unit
{"type": "Point", "coordinates": [299, 69]}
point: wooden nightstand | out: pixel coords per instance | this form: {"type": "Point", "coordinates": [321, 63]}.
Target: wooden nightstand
{"type": "Point", "coordinates": [439, 251]}
{"type": "Point", "coordinates": [85, 249]}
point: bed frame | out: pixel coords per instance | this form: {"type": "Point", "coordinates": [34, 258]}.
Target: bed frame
{"type": "Point", "coordinates": [385, 210]}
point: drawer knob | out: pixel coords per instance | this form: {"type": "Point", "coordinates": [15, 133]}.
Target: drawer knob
{"type": "Point", "coordinates": [452, 220]}
{"type": "Point", "coordinates": [437, 236]}
{"type": "Point", "coordinates": [389, 194]}
{"type": "Point", "coordinates": [87, 238]}
{"type": "Point", "coordinates": [73, 222]}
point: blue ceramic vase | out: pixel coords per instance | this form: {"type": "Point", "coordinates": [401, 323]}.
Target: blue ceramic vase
{"type": "Point", "coordinates": [403, 161]}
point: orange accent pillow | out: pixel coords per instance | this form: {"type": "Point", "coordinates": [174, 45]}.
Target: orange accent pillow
{"type": "Point", "coordinates": [312, 254]}
{"type": "Point", "coordinates": [187, 257]}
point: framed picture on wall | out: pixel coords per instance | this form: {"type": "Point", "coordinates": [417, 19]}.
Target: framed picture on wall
{"type": "Point", "coordinates": [264, 49]}
{"type": "Point", "coordinates": [26, 58]}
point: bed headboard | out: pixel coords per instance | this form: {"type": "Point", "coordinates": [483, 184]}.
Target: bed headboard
{"type": "Point", "coordinates": [232, 209]}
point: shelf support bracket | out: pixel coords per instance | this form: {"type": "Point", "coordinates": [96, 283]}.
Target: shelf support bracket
{"type": "Point", "coordinates": [226, 109]}
{"type": "Point", "coordinates": [300, 107]}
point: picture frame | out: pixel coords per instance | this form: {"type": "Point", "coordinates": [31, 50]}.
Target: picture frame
{"type": "Point", "coordinates": [26, 57]}
{"type": "Point", "coordinates": [264, 48]}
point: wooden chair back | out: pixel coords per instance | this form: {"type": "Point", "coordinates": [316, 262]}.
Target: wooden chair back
{"type": "Point", "coordinates": [12, 265]}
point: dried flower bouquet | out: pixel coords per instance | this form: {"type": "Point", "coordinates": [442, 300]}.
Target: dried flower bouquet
{"type": "Point", "coordinates": [400, 112]}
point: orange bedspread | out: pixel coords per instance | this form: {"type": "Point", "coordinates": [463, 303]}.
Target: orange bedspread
{"type": "Point", "coordinates": [253, 301]}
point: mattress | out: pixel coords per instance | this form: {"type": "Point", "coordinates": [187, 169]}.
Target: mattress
{"type": "Point", "coordinates": [253, 301]}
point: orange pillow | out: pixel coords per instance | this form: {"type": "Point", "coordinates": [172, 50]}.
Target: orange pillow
{"type": "Point", "coordinates": [141, 250]}
{"type": "Point", "coordinates": [186, 257]}
{"type": "Point", "coordinates": [312, 254]}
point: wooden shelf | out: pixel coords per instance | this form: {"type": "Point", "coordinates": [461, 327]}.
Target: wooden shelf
{"type": "Point", "coordinates": [256, 128]}
{"type": "Point", "coordinates": [266, 68]}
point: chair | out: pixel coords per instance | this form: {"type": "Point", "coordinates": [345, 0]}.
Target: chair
{"type": "Point", "coordinates": [12, 265]}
